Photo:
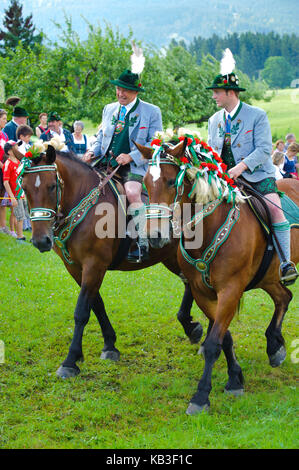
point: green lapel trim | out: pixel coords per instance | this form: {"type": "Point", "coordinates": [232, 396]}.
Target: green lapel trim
{"type": "Point", "coordinates": [237, 112]}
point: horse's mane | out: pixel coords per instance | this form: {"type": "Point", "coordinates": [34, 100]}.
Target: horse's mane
{"type": "Point", "coordinates": [73, 157]}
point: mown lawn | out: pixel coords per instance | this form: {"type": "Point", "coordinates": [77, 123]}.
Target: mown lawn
{"type": "Point", "coordinates": [139, 402]}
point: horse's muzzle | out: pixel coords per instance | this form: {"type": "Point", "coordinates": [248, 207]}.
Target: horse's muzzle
{"type": "Point", "coordinates": [42, 244]}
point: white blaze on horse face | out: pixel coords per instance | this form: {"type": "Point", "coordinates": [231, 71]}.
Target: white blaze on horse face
{"type": "Point", "coordinates": [37, 182]}
{"type": "Point", "coordinates": [155, 171]}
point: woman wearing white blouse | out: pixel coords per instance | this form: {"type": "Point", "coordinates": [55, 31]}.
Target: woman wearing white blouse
{"type": "Point", "coordinates": [81, 141]}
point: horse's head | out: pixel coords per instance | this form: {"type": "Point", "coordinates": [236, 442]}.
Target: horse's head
{"type": "Point", "coordinates": [165, 191]}
{"type": "Point", "coordinates": [41, 186]}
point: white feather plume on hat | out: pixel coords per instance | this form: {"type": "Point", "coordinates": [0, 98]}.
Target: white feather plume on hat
{"type": "Point", "coordinates": [227, 63]}
{"type": "Point", "coordinates": [137, 59]}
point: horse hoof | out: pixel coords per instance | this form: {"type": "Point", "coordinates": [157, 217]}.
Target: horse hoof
{"type": "Point", "coordinates": [276, 359]}
{"type": "Point", "coordinates": [194, 409]}
{"type": "Point", "coordinates": [111, 355]}
{"type": "Point", "coordinates": [235, 393]}
{"type": "Point", "coordinates": [67, 372]}
{"type": "Point", "coordinates": [196, 334]}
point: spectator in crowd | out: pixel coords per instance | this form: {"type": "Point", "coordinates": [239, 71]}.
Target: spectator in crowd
{"type": "Point", "coordinates": [279, 145]}
{"type": "Point", "coordinates": [42, 127]}
{"type": "Point", "coordinates": [290, 138]}
{"type": "Point", "coordinates": [10, 176]}
{"type": "Point", "coordinates": [290, 163]}
{"type": "Point", "coordinates": [24, 134]}
{"type": "Point", "coordinates": [278, 160]}
{"type": "Point", "coordinates": [81, 141]}
{"type": "Point", "coordinates": [55, 129]}
{"type": "Point", "coordinates": [3, 140]}
{"type": "Point", "coordinates": [19, 118]}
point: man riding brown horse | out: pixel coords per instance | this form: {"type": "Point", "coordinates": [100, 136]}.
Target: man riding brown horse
{"type": "Point", "coordinates": [241, 134]}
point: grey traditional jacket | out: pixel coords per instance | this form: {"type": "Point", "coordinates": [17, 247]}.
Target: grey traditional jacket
{"type": "Point", "coordinates": [144, 122]}
{"type": "Point", "coordinates": [251, 140]}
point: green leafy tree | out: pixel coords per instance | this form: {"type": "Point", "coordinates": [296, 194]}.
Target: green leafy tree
{"type": "Point", "coordinates": [72, 76]}
{"type": "Point", "coordinates": [17, 29]}
{"type": "Point", "coordinates": [278, 73]}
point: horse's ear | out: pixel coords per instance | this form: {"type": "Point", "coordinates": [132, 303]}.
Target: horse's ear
{"type": "Point", "coordinates": [179, 149]}
{"type": "Point", "coordinates": [147, 152]}
{"type": "Point", "coordinates": [50, 155]}
{"type": "Point", "coordinates": [19, 155]}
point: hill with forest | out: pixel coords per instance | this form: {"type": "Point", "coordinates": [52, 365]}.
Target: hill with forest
{"type": "Point", "coordinates": [156, 22]}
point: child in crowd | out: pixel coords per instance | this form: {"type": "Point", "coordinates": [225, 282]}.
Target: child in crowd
{"type": "Point", "coordinates": [3, 195]}
{"type": "Point", "coordinates": [24, 134]}
{"type": "Point", "coordinates": [278, 161]}
{"type": "Point", "coordinates": [290, 164]}
{"type": "Point", "coordinates": [10, 175]}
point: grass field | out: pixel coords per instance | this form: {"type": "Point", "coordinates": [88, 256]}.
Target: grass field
{"type": "Point", "coordinates": [140, 401]}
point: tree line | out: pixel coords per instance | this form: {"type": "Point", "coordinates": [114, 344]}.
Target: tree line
{"type": "Point", "coordinates": [71, 75]}
{"type": "Point", "coordinates": [272, 57]}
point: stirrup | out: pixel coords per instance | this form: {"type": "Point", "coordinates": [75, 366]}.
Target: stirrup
{"type": "Point", "coordinates": [139, 254]}
{"type": "Point", "coordinates": [288, 274]}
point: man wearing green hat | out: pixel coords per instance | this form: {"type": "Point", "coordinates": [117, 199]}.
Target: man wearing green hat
{"type": "Point", "coordinates": [124, 122]}
{"type": "Point", "coordinates": [19, 118]}
{"type": "Point", "coordinates": [241, 134]}
{"type": "Point", "coordinates": [55, 129]}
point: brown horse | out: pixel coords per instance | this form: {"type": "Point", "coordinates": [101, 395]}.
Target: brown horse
{"type": "Point", "coordinates": [56, 184]}
{"type": "Point", "coordinates": [218, 290]}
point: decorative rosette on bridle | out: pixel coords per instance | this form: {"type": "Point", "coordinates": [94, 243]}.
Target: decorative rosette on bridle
{"type": "Point", "coordinates": [202, 165]}
{"type": "Point", "coordinates": [31, 157]}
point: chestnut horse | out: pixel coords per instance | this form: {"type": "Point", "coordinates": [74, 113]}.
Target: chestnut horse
{"type": "Point", "coordinates": [55, 183]}
{"type": "Point", "coordinates": [230, 271]}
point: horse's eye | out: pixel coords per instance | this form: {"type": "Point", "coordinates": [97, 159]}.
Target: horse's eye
{"type": "Point", "coordinates": [52, 187]}
{"type": "Point", "coordinates": [171, 183]}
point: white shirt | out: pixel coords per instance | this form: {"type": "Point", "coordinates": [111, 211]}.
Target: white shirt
{"type": "Point", "coordinates": [233, 111]}
{"type": "Point", "coordinates": [130, 105]}
{"type": "Point", "coordinates": [24, 147]}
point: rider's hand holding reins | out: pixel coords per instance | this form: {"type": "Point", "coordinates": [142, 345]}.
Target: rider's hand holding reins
{"type": "Point", "coordinates": [88, 156]}
{"type": "Point", "coordinates": [237, 170]}
{"type": "Point", "coordinates": [124, 159]}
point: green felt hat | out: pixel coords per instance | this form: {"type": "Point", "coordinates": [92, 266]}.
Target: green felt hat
{"type": "Point", "coordinates": [19, 112]}
{"type": "Point", "coordinates": [226, 82]}
{"type": "Point", "coordinates": [128, 80]}
{"type": "Point", "coordinates": [53, 116]}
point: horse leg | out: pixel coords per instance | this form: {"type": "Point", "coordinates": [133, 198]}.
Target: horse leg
{"type": "Point", "coordinates": [235, 384]}
{"type": "Point", "coordinates": [227, 302]}
{"type": "Point", "coordinates": [281, 297]}
{"type": "Point", "coordinates": [192, 329]}
{"type": "Point", "coordinates": [81, 316]}
{"type": "Point", "coordinates": [109, 351]}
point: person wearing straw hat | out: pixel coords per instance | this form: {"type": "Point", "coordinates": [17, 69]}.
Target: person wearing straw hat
{"type": "Point", "coordinates": [124, 122]}
{"type": "Point", "coordinates": [242, 135]}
